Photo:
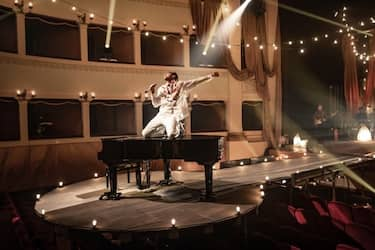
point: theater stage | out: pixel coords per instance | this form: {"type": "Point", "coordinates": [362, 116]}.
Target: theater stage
{"type": "Point", "coordinates": [76, 205]}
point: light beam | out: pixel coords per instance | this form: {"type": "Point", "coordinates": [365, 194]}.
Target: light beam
{"type": "Point", "coordinates": [111, 14]}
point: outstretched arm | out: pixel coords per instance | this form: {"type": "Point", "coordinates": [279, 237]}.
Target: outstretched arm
{"type": "Point", "coordinates": [193, 83]}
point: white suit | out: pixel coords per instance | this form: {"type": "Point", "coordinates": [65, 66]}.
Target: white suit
{"type": "Point", "coordinates": [171, 98]}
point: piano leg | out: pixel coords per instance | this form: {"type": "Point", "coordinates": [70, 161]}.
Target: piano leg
{"type": "Point", "coordinates": [112, 194]}
{"type": "Point", "coordinates": [208, 181]}
{"type": "Point", "coordinates": [167, 172]}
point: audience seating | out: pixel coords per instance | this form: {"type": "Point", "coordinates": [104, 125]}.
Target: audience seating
{"type": "Point", "coordinates": [363, 235]}
{"type": "Point", "coordinates": [340, 213]}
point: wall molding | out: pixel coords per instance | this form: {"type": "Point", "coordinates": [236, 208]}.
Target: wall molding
{"type": "Point", "coordinates": [178, 4]}
{"type": "Point", "coordinates": [64, 64]}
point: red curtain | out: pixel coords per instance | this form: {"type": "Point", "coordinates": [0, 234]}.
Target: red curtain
{"type": "Point", "coordinates": [370, 83]}
{"type": "Point", "coordinates": [351, 89]}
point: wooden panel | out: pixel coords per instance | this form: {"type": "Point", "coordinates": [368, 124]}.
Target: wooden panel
{"type": "Point", "coordinates": [208, 116]}
{"type": "Point", "coordinates": [156, 51]}
{"type": "Point", "coordinates": [8, 30]}
{"type": "Point", "coordinates": [54, 118]}
{"type": "Point", "coordinates": [122, 44]}
{"type": "Point", "coordinates": [252, 115]}
{"type": "Point", "coordinates": [10, 123]}
{"type": "Point", "coordinates": [52, 37]}
{"type": "Point", "coordinates": [112, 117]}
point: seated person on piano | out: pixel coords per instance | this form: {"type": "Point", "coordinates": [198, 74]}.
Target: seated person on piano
{"type": "Point", "coordinates": [172, 100]}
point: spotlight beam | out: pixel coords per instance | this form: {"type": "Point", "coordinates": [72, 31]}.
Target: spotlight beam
{"type": "Point", "coordinates": [313, 16]}
{"type": "Point", "coordinates": [111, 14]}
{"type": "Point", "coordinates": [227, 25]}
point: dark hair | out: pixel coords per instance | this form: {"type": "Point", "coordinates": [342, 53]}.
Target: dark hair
{"type": "Point", "coordinates": [172, 76]}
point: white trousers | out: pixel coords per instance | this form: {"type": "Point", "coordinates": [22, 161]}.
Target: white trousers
{"type": "Point", "coordinates": [162, 119]}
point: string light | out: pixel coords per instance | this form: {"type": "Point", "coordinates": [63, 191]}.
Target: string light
{"type": "Point", "coordinates": [301, 42]}
{"type": "Point", "coordinates": [302, 51]}
{"type": "Point", "coordinates": [316, 39]}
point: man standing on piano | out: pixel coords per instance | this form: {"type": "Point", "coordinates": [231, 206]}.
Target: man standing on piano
{"type": "Point", "coordinates": [172, 100]}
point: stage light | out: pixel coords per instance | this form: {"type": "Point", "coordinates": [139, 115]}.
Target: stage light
{"type": "Point", "coordinates": [302, 51]}
{"type": "Point", "coordinates": [173, 222]}
{"type": "Point", "coordinates": [283, 181]}
{"type": "Point", "coordinates": [290, 42]}
{"type": "Point", "coordinates": [364, 134]}
{"type": "Point", "coordinates": [265, 160]}
{"type": "Point", "coordinates": [267, 178]}
{"type": "Point", "coordinates": [96, 175]}
{"type": "Point", "coordinates": [255, 38]}
{"type": "Point", "coordinates": [129, 28]}
{"type": "Point", "coordinates": [213, 45]}
{"type": "Point", "coordinates": [238, 209]}
{"type": "Point", "coordinates": [53, 1]}
{"type": "Point", "coordinates": [241, 163]}
{"type": "Point", "coordinates": [362, 23]}
{"type": "Point", "coordinates": [147, 33]}
{"type": "Point", "coordinates": [344, 19]}
{"type": "Point", "coordinates": [344, 8]}
{"type": "Point", "coordinates": [301, 42]}
{"type": "Point", "coordinates": [261, 47]}
{"type": "Point", "coordinates": [335, 42]}
{"type": "Point", "coordinates": [37, 196]}
{"type": "Point", "coordinates": [61, 183]}
{"type": "Point", "coordinates": [179, 168]}
{"type": "Point", "coordinates": [93, 95]}
{"type": "Point", "coordinates": [340, 31]}
{"type": "Point", "coordinates": [30, 5]}
{"type": "Point", "coordinates": [262, 193]}
{"type": "Point", "coordinates": [320, 167]}
{"type": "Point", "coordinates": [43, 212]}
{"type": "Point", "coordinates": [204, 53]}
{"type": "Point", "coordinates": [181, 40]}
{"type": "Point", "coordinates": [144, 23]}
{"type": "Point", "coordinates": [297, 172]}
{"type": "Point", "coordinates": [247, 45]}
{"type": "Point", "coordinates": [74, 8]}
{"type": "Point", "coordinates": [326, 35]}
{"type": "Point", "coordinates": [316, 39]}
{"type": "Point", "coordinates": [261, 187]}
{"type": "Point", "coordinates": [164, 38]}
{"type": "Point", "coordinates": [94, 223]}
{"type": "Point", "coordinates": [91, 16]}
{"type": "Point", "coordinates": [135, 24]}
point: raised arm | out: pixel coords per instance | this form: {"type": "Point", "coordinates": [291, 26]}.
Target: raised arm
{"type": "Point", "coordinates": [195, 82]}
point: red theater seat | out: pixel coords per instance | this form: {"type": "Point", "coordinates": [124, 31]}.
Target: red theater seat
{"type": "Point", "coordinates": [363, 235]}
{"type": "Point", "coordinates": [320, 206]}
{"type": "Point", "coordinates": [297, 213]}
{"type": "Point", "coordinates": [341, 214]}
{"type": "Point", "coordinates": [345, 247]}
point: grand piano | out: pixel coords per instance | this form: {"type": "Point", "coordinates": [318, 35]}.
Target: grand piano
{"type": "Point", "coordinates": [205, 150]}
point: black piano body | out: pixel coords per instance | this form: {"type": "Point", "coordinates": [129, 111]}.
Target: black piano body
{"type": "Point", "coordinates": [205, 150]}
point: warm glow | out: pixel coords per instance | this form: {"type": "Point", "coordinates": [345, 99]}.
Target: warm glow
{"type": "Point", "coordinates": [238, 209]}
{"type": "Point", "coordinates": [364, 134]}
{"type": "Point", "coordinates": [173, 222]}
{"type": "Point", "coordinates": [94, 223]}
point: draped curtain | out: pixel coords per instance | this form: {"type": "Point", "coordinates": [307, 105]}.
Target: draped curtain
{"type": "Point", "coordinates": [370, 83]}
{"type": "Point", "coordinates": [351, 89]}
{"type": "Point", "coordinates": [256, 60]}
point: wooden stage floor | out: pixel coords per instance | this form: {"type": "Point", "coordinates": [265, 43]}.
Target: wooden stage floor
{"type": "Point", "coordinates": [76, 205]}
